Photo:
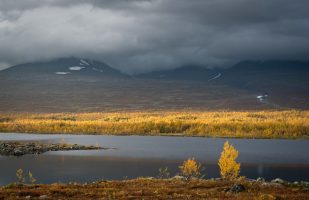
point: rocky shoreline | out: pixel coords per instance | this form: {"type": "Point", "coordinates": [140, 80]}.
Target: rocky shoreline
{"type": "Point", "coordinates": [20, 148]}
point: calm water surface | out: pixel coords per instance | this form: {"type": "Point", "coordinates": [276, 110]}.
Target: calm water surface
{"type": "Point", "coordinates": [135, 156]}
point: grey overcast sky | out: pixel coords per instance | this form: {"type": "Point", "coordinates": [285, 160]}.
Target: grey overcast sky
{"type": "Point", "coordinates": [142, 35]}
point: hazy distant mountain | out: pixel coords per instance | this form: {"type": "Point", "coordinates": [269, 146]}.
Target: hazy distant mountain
{"type": "Point", "coordinates": [267, 73]}
{"type": "Point", "coordinates": [185, 73]}
{"type": "Point", "coordinates": [241, 74]}
{"type": "Point", "coordinates": [66, 67]}
{"type": "Point", "coordinates": [276, 83]}
{"type": "Point", "coordinates": [246, 74]}
{"type": "Point", "coordinates": [75, 85]}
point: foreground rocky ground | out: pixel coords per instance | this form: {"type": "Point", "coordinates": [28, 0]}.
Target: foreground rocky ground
{"type": "Point", "coordinates": [21, 148]}
{"type": "Point", "coordinates": [148, 188]}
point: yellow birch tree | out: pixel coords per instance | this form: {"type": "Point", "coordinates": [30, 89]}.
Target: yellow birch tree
{"type": "Point", "coordinates": [229, 168]}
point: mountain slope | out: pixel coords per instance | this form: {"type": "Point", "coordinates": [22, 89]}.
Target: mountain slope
{"type": "Point", "coordinates": [68, 67]}
{"type": "Point", "coordinates": [241, 74]}
{"type": "Point", "coordinates": [275, 83]}
{"type": "Point", "coordinates": [81, 85]}
{"type": "Point", "coordinates": [255, 74]}
{"type": "Point", "coordinates": [185, 73]}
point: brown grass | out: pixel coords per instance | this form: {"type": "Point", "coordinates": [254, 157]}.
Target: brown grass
{"type": "Point", "coordinates": [156, 189]}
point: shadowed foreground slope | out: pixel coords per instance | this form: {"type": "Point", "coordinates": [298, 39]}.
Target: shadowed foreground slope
{"type": "Point", "coordinates": [156, 189]}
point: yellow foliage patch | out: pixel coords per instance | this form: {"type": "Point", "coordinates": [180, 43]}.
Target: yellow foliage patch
{"type": "Point", "coordinates": [229, 168]}
{"type": "Point", "coordinates": [190, 168]}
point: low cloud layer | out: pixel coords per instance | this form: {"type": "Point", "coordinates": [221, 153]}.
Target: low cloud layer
{"type": "Point", "coordinates": [139, 35]}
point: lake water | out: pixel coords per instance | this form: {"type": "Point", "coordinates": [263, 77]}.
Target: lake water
{"type": "Point", "coordinates": [135, 156]}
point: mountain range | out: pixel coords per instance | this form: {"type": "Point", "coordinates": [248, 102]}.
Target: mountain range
{"type": "Point", "coordinates": [79, 84]}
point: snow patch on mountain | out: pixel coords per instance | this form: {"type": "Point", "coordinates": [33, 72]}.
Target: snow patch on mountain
{"type": "Point", "coordinates": [215, 77]}
{"type": "Point", "coordinates": [62, 73]}
{"type": "Point", "coordinates": [262, 97]}
{"type": "Point", "coordinates": [83, 62]}
{"type": "Point", "coordinates": [76, 68]}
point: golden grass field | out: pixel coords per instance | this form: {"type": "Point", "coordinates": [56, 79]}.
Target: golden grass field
{"type": "Point", "coordinates": [239, 124]}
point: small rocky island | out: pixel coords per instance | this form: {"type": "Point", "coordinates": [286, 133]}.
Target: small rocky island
{"type": "Point", "coordinates": [20, 148]}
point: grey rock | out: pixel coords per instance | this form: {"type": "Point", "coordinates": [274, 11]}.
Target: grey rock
{"type": "Point", "coordinates": [18, 152]}
{"type": "Point", "coordinates": [278, 180]}
{"type": "Point", "coordinates": [237, 188]}
{"type": "Point", "coordinates": [260, 179]}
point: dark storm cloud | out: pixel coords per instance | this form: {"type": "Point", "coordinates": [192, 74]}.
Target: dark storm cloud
{"type": "Point", "coordinates": [141, 35]}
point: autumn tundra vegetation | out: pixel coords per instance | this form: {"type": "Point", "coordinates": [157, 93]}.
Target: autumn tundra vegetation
{"type": "Point", "coordinates": [240, 124]}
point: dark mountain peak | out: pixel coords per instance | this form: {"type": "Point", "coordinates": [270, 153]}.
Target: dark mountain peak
{"type": "Point", "coordinates": [69, 66]}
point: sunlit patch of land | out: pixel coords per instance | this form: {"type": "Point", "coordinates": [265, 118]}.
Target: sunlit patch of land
{"type": "Point", "coordinates": [239, 124]}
